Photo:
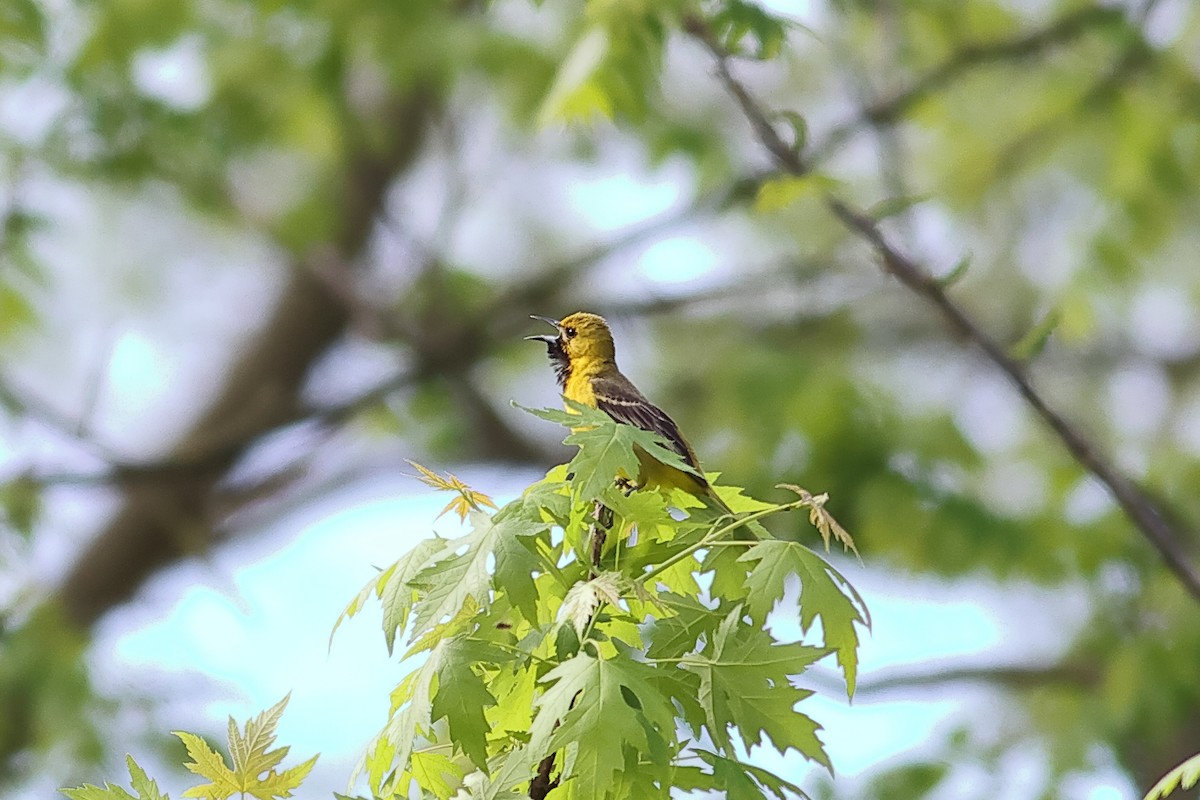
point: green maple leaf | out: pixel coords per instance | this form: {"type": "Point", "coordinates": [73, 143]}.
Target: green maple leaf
{"type": "Point", "coordinates": [141, 783]}
{"type": "Point", "coordinates": [678, 635]}
{"type": "Point", "coordinates": [549, 497]}
{"type": "Point", "coordinates": [607, 449]}
{"type": "Point", "coordinates": [254, 771]}
{"type": "Point", "coordinates": [739, 779]}
{"type": "Point", "coordinates": [600, 707]}
{"type": "Point", "coordinates": [462, 696]}
{"type": "Point", "coordinates": [822, 594]}
{"type": "Point", "coordinates": [446, 583]}
{"type": "Point", "coordinates": [412, 708]}
{"type": "Point", "coordinates": [729, 573]}
{"type": "Point", "coordinates": [511, 540]}
{"type": "Point", "coordinates": [744, 684]}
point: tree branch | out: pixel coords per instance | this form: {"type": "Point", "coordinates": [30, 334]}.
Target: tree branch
{"type": "Point", "coordinates": [1137, 505]}
{"type": "Point", "coordinates": [883, 112]}
{"type": "Point", "coordinates": [1014, 677]}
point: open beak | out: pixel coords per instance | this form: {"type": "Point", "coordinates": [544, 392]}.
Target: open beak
{"type": "Point", "coordinates": [548, 339]}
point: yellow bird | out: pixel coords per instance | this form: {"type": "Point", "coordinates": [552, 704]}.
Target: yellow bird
{"type": "Point", "coordinates": [585, 363]}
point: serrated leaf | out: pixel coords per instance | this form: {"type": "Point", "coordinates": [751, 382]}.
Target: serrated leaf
{"type": "Point", "coordinates": [92, 792]}
{"type": "Point", "coordinates": [412, 704]}
{"type": "Point", "coordinates": [447, 583]}
{"type": "Point", "coordinates": [398, 595]}
{"type": "Point", "coordinates": [585, 597]}
{"type": "Point", "coordinates": [600, 707]}
{"type": "Point", "coordinates": [207, 763]}
{"type": "Point", "coordinates": [141, 783]}
{"type": "Point", "coordinates": [823, 594]}
{"type": "Point", "coordinates": [679, 635]}
{"type": "Point", "coordinates": [462, 697]}
{"type": "Point", "coordinates": [739, 779]}
{"type": "Point", "coordinates": [249, 751]}
{"type": "Point", "coordinates": [146, 788]}
{"type": "Point", "coordinates": [468, 499]}
{"type": "Point", "coordinates": [254, 763]}
{"type": "Point", "coordinates": [436, 773]}
{"type": "Point", "coordinates": [744, 686]}
{"type": "Point", "coordinates": [606, 449]}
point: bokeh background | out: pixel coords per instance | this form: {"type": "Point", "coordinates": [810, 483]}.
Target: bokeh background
{"type": "Point", "coordinates": [256, 254]}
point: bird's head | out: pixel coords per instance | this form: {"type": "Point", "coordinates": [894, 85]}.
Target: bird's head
{"type": "Point", "coordinates": [581, 337]}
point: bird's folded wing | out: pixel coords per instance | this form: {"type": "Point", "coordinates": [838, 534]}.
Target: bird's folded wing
{"type": "Point", "coordinates": [621, 400]}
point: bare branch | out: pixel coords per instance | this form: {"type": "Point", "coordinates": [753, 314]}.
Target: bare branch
{"type": "Point", "coordinates": [1009, 677]}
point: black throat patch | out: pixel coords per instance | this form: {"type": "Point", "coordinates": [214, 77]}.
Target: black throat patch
{"type": "Point", "coordinates": [559, 360]}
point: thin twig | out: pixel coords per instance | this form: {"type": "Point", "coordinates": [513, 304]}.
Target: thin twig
{"type": "Point", "coordinates": [1141, 510]}
{"type": "Point", "coordinates": [1066, 28]}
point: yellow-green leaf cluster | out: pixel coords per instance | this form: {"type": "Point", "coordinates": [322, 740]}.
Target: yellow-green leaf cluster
{"type": "Point", "coordinates": [568, 635]}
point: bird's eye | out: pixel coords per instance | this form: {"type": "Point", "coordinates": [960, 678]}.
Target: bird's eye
{"type": "Point", "coordinates": [570, 332]}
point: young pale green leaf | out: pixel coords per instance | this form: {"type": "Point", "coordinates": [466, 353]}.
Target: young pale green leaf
{"type": "Point", "coordinates": [1185, 776]}
{"type": "Point", "coordinates": [207, 763]}
{"type": "Point", "coordinates": [956, 272]}
{"type": "Point", "coordinates": [141, 783]}
{"type": "Point", "coordinates": [576, 94]}
{"type": "Point", "coordinates": [436, 773]}
{"type": "Point", "coordinates": [892, 206]}
{"type": "Point", "coordinates": [468, 499]}
{"type": "Point", "coordinates": [254, 772]}
{"type": "Point", "coordinates": [412, 709]}
{"type": "Point", "coordinates": [585, 597]}
{"type": "Point", "coordinates": [823, 593]}
{"type": "Point", "coordinates": [92, 792]}
{"type": "Point", "coordinates": [510, 770]}
{"type": "Point", "coordinates": [744, 685]}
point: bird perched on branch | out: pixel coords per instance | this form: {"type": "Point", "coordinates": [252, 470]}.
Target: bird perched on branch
{"type": "Point", "coordinates": [585, 363]}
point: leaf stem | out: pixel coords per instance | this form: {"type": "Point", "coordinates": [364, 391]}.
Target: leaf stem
{"type": "Point", "coordinates": [716, 533]}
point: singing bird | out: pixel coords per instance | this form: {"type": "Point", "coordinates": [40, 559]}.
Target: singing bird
{"type": "Point", "coordinates": [585, 363]}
